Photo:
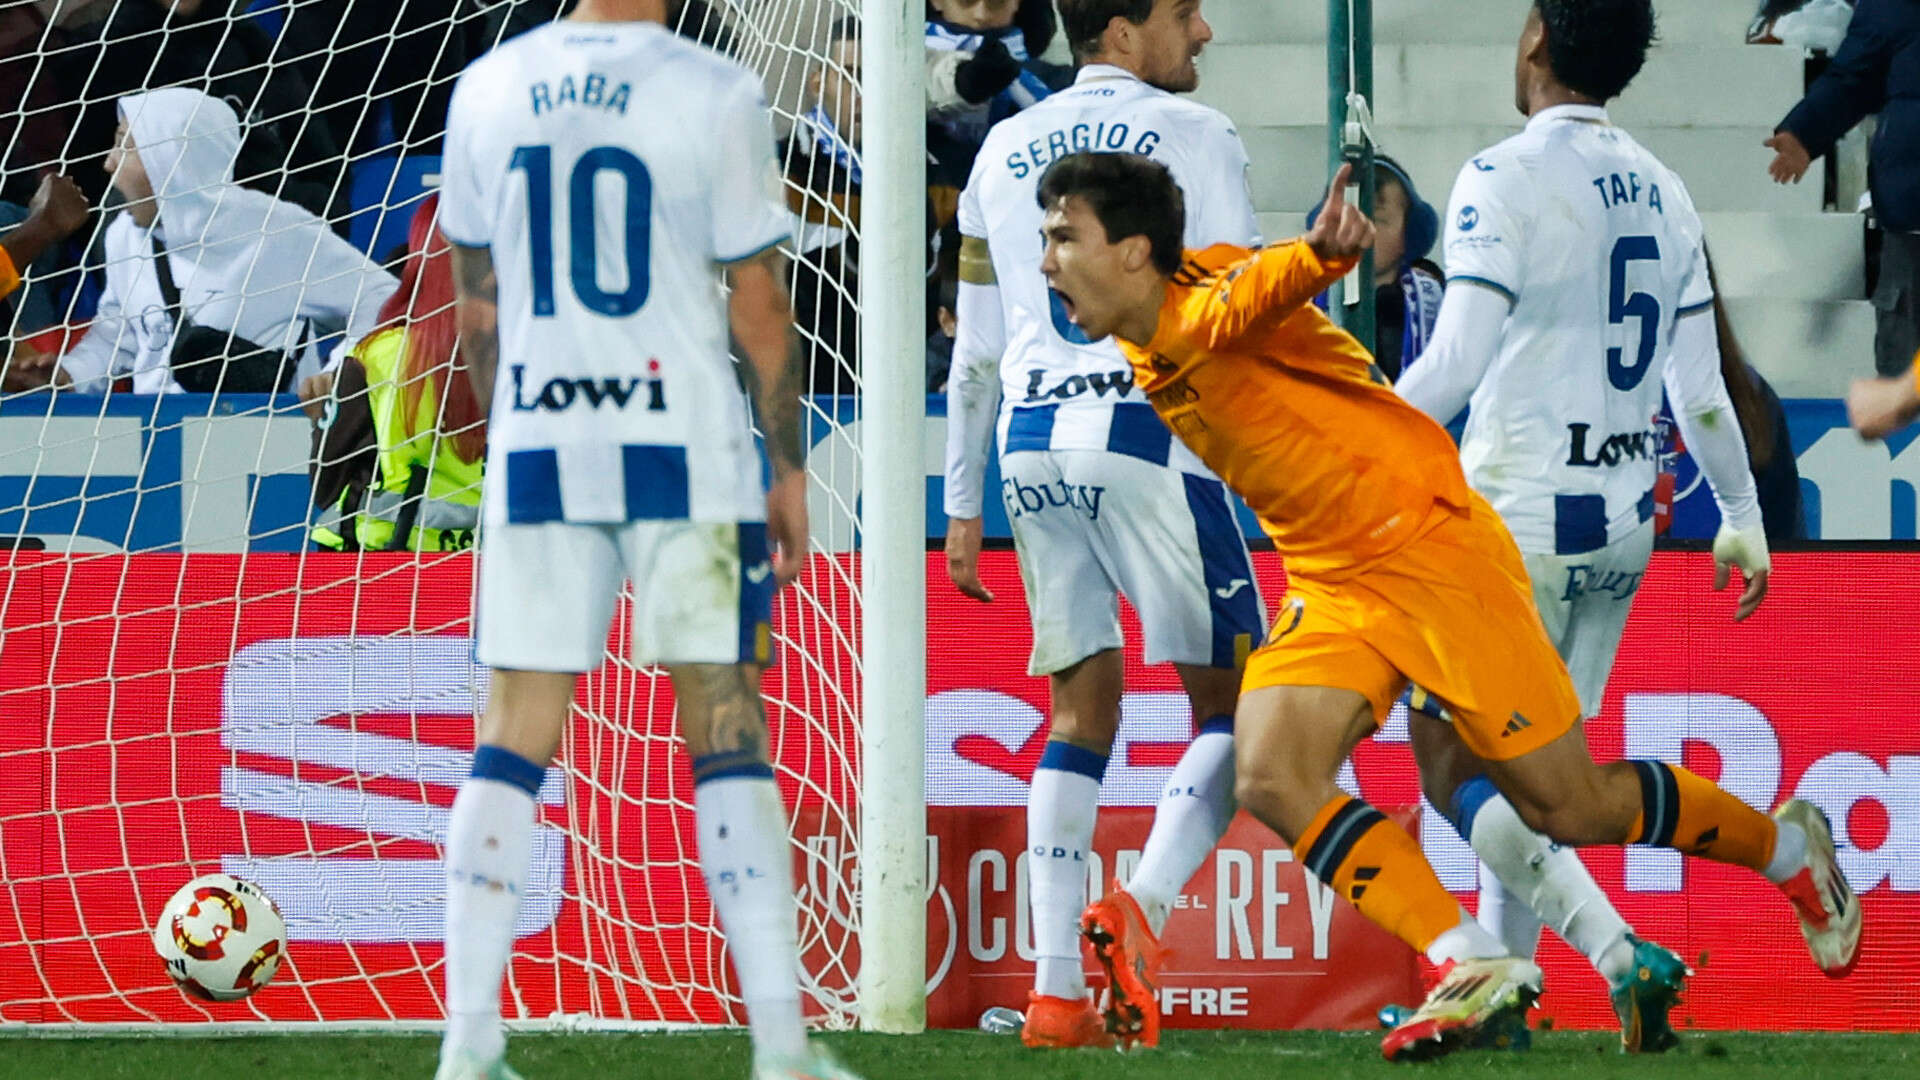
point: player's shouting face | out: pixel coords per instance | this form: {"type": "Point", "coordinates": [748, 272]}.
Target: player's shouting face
{"type": "Point", "coordinates": [1084, 268]}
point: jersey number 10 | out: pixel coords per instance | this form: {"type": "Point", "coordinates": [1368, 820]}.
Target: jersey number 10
{"type": "Point", "coordinates": [582, 216]}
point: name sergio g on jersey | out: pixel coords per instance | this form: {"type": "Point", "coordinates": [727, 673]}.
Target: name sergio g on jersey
{"type": "Point", "coordinates": [608, 226]}
{"type": "Point", "coordinates": [1060, 391]}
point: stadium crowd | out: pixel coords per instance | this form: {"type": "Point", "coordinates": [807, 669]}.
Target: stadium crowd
{"type": "Point", "coordinates": [260, 271]}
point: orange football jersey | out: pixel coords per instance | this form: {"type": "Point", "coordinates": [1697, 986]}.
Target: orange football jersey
{"type": "Point", "coordinates": [1291, 412]}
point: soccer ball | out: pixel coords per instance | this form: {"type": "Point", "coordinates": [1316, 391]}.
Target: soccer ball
{"type": "Point", "coordinates": [221, 938]}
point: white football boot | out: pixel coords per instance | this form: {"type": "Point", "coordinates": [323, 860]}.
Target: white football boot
{"type": "Point", "coordinates": [1829, 911]}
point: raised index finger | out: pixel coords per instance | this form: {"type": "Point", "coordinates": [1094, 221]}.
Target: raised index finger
{"type": "Point", "coordinates": [1337, 196]}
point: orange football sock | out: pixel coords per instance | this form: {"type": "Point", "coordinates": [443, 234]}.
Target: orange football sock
{"type": "Point", "coordinates": [1681, 810]}
{"type": "Point", "coordinates": [1376, 865]}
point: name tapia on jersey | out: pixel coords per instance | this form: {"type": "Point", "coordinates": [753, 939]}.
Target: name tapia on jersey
{"type": "Point", "coordinates": [567, 157]}
{"type": "Point", "coordinates": [1599, 250]}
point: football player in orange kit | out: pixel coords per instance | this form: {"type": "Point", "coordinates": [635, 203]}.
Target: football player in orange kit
{"type": "Point", "coordinates": [1397, 571]}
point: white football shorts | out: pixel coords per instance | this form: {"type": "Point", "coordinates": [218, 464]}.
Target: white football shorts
{"type": "Point", "coordinates": [702, 593]}
{"type": "Point", "coordinates": [1584, 600]}
{"type": "Point", "coordinates": [1091, 526]}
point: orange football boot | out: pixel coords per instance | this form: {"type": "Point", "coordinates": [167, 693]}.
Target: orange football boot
{"type": "Point", "coordinates": [1127, 948]}
{"type": "Point", "coordinates": [1057, 1023]}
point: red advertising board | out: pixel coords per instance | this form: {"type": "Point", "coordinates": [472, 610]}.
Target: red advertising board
{"type": "Point", "coordinates": [305, 722]}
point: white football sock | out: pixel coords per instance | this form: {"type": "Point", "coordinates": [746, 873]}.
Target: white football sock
{"type": "Point", "coordinates": [748, 864]}
{"type": "Point", "coordinates": [1468, 940]}
{"type": "Point", "coordinates": [1195, 809]}
{"type": "Point", "coordinates": [1789, 853]}
{"type": "Point", "coordinates": [489, 843]}
{"type": "Point", "coordinates": [1552, 881]}
{"type": "Point", "coordinates": [1505, 917]}
{"type": "Point", "coordinates": [1061, 806]}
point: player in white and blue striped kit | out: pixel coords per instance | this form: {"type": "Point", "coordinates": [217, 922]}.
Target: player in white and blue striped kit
{"type": "Point", "coordinates": [591, 235]}
{"type": "Point", "coordinates": [1578, 291]}
{"type": "Point", "coordinates": [1103, 501]}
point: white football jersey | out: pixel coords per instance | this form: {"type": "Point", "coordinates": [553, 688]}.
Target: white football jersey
{"type": "Point", "coordinates": [1598, 246]}
{"type": "Point", "coordinates": [612, 169]}
{"type": "Point", "coordinates": [1060, 391]}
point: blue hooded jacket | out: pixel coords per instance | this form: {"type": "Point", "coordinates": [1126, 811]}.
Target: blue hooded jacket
{"type": "Point", "coordinates": [1876, 70]}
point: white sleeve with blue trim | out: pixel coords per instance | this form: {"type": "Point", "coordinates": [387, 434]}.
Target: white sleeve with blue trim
{"type": "Point", "coordinates": [1488, 224]}
{"type": "Point", "coordinates": [1466, 339]}
{"type": "Point", "coordinates": [749, 197]}
{"type": "Point", "coordinates": [1708, 424]}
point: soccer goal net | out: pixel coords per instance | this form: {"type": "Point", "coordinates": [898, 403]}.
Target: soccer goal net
{"type": "Point", "coordinates": [189, 683]}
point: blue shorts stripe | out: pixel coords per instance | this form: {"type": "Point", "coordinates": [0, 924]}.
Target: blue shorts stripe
{"type": "Point", "coordinates": [656, 483]}
{"type": "Point", "coordinates": [756, 596]}
{"type": "Point", "coordinates": [1137, 431]}
{"type": "Point", "coordinates": [1030, 429]}
{"type": "Point", "coordinates": [1066, 757]}
{"type": "Point", "coordinates": [1217, 725]}
{"type": "Point", "coordinates": [1579, 524]}
{"type": "Point", "coordinates": [1232, 595]}
{"type": "Point", "coordinates": [1645, 507]}
{"type": "Point", "coordinates": [533, 487]}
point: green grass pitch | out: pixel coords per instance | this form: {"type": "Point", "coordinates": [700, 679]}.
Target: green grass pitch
{"type": "Point", "coordinates": [960, 1056]}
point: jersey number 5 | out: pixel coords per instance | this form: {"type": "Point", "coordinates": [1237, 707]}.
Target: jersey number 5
{"type": "Point", "coordinates": [1622, 305]}
{"type": "Point", "coordinates": [582, 239]}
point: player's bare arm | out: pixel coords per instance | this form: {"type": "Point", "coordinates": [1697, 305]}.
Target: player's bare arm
{"type": "Point", "coordinates": [1879, 407]}
{"type": "Point", "coordinates": [479, 312]}
{"type": "Point", "coordinates": [762, 318]}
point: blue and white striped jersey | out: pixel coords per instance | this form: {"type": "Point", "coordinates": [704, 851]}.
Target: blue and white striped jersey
{"type": "Point", "coordinates": [613, 169]}
{"type": "Point", "coordinates": [1058, 390]}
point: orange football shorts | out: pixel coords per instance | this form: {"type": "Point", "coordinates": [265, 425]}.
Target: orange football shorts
{"type": "Point", "coordinates": [1452, 612]}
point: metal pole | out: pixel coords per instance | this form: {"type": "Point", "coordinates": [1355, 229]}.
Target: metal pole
{"type": "Point", "coordinates": [1350, 69]}
{"type": "Point", "coordinates": [893, 519]}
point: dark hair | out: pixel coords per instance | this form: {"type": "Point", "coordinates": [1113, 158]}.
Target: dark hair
{"type": "Point", "coordinates": [1131, 195]}
{"type": "Point", "coordinates": [1086, 21]}
{"type": "Point", "coordinates": [1596, 47]}
{"type": "Point", "coordinates": [845, 28]}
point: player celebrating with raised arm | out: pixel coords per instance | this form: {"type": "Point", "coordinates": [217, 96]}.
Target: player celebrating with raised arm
{"type": "Point", "coordinates": [1580, 289]}
{"type": "Point", "coordinates": [1398, 571]}
{"type": "Point", "coordinates": [590, 233]}
{"type": "Point", "coordinates": [1103, 502]}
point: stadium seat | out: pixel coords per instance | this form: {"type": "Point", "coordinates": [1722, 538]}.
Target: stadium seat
{"type": "Point", "coordinates": [384, 191]}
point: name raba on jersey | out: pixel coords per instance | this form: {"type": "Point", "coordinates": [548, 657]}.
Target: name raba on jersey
{"type": "Point", "coordinates": [590, 93]}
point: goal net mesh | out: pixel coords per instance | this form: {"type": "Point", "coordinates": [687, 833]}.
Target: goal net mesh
{"type": "Point", "coordinates": [188, 686]}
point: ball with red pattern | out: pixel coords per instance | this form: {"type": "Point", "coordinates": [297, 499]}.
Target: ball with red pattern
{"type": "Point", "coordinates": [221, 938]}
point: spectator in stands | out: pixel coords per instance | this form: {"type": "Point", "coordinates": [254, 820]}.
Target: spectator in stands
{"type": "Point", "coordinates": [1879, 407]}
{"type": "Point", "coordinates": [946, 319]}
{"type": "Point", "coordinates": [58, 210]}
{"type": "Point", "coordinates": [1877, 69]}
{"type": "Point", "coordinates": [398, 451]}
{"type": "Point", "coordinates": [822, 156]}
{"type": "Point", "coordinates": [40, 114]}
{"type": "Point", "coordinates": [1407, 284]}
{"type": "Point", "coordinates": [1002, 78]}
{"type": "Point", "coordinates": [210, 286]}
{"type": "Point", "coordinates": [137, 45]}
